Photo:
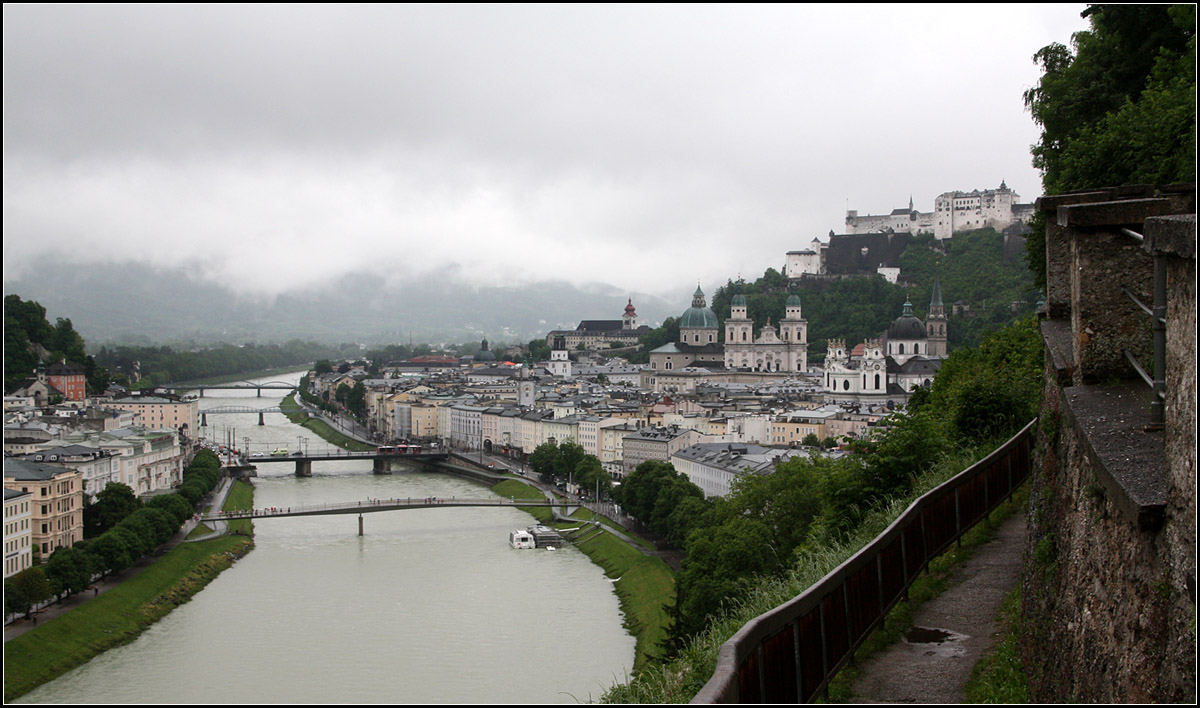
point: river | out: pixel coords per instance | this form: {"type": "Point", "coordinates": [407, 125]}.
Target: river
{"type": "Point", "coordinates": [429, 605]}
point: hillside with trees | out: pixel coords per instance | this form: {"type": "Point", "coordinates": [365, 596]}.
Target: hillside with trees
{"type": "Point", "coordinates": [771, 526]}
{"type": "Point", "coordinates": [1118, 106]}
{"type": "Point", "coordinates": [972, 267]}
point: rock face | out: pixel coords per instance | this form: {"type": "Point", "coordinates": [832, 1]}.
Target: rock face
{"type": "Point", "coordinates": [1109, 584]}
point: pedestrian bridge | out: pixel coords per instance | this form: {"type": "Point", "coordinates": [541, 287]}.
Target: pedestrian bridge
{"type": "Point", "coordinates": [373, 505]}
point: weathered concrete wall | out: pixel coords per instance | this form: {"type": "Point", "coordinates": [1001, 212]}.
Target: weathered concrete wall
{"type": "Point", "coordinates": [1109, 583]}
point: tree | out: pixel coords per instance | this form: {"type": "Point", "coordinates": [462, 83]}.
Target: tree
{"type": "Point", "coordinates": [1120, 108]}
{"type": "Point", "coordinates": [112, 552]}
{"type": "Point", "coordinates": [1131, 53]}
{"type": "Point", "coordinates": [590, 476]}
{"type": "Point", "coordinates": [112, 504]}
{"type": "Point", "coordinates": [25, 589]}
{"type": "Point", "coordinates": [356, 400]}
{"type": "Point", "coordinates": [323, 366]}
{"type": "Point", "coordinates": [69, 571]}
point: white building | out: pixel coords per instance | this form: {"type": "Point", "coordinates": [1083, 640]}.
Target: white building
{"type": "Point", "coordinates": [885, 370]}
{"type": "Point", "coordinates": [787, 351]}
{"type": "Point", "coordinates": [18, 531]}
{"type": "Point", "coordinates": [713, 467]}
{"type": "Point", "coordinates": [952, 212]}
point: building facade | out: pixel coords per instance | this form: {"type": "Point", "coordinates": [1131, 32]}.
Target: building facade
{"type": "Point", "coordinates": [786, 351]}
{"type": "Point", "coordinates": [56, 503]}
{"type": "Point", "coordinates": [952, 212]}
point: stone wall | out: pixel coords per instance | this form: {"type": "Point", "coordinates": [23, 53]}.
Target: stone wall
{"type": "Point", "coordinates": [1109, 584]}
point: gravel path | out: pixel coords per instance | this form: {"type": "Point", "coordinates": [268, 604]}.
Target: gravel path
{"type": "Point", "coordinates": [951, 632]}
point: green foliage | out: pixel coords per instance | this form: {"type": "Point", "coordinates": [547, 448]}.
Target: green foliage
{"type": "Point", "coordinates": [356, 400]}
{"type": "Point", "coordinates": [538, 350]}
{"type": "Point", "coordinates": [718, 562]}
{"type": "Point", "coordinates": [113, 552]}
{"type": "Point", "coordinates": [25, 328]}
{"type": "Point", "coordinates": [160, 365]}
{"type": "Point", "coordinates": [173, 504]}
{"type": "Point", "coordinates": [112, 504]}
{"type": "Point", "coordinates": [69, 571]}
{"type": "Point", "coordinates": [991, 391]}
{"type": "Point", "coordinates": [25, 589]}
{"type": "Point", "coordinates": [1120, 108]}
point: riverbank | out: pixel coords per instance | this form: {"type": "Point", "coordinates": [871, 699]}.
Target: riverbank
{"type": "Point", "coordinates": [142, 596]}
{"type": "Point", "coordinates": [296, 414]}
{"type": "Point", "coordinates": [230, 378]}
{"type": "Point", "coordinates": [644, 583]}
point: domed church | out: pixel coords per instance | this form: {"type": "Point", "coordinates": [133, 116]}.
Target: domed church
{"type": "Point", "coordinates": [887, 369]}
{"type": "Point", "coordinates": [697, 345]}
{"type": "Point", "coordinates": [785, 351]}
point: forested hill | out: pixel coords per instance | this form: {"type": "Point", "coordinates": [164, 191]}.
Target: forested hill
{"type": "Point", "coordinates": [972, 268]}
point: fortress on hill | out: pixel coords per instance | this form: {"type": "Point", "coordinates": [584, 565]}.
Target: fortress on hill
{"type": "Point", "coordinates": [952, 212]}
{"type": "Point", "coordinates": [873, 243]}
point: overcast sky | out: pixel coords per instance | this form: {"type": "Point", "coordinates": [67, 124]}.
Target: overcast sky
{"type": "Point", "coordinates": [643, 146]}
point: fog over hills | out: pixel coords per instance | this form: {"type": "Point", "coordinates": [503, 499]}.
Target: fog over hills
{"type": "Point", "coordinates": [133, 303]}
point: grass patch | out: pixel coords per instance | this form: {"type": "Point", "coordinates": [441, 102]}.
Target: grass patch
{"type": "Point", "coordinates": [292, 410]}
{"type": "Point", "coordinates": [118, 616]}
{"type": "Point", "coordinates": [201, 529]}
{"type": "Point", "coordinates": [999, 677]}
{"type": "Point", "coordinates": [514, 489]}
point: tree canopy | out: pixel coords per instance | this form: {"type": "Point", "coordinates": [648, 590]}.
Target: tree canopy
{"type": "Point", "coordinates": [1119, 106]}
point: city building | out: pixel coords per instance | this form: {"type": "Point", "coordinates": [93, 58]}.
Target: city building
{"type": "Point", "coordinates": [18, 531]}
{"type": "Point", "coordinates": [56, 503]}
{"type": "Point", "coordinates": [786, 351]}
{"type": "Point", "coordinates": [601, 334]}
{"type": "Point", "coordinates": [713, 467]}
{"type": "Point", "coordinates": [885, 370]}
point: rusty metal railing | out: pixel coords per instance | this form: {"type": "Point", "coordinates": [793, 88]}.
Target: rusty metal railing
{"type": "Point", "coordinates": [789, 654]}
{"type": "Point", "coordinates": [1158, 316]}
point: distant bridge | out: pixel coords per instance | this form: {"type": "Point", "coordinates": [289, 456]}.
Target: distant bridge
{"type": "Point", "coordinates": [371, 506]}
{"type": "Point", "coordinates": [237, 386]}
{"type": "Point", "coordinates": [383, 460]}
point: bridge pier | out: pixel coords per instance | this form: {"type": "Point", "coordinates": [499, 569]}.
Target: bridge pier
{"type": "Point", "coordinates": [260, 418]}
{"type": "Point", "coordinates": [202, 393]}
{"type": "Point", "coordinates": [203, 418]}
{"type": "Point", "coordinates": [381, 465]}
{"type": "Point", "coordinates": [360, 525]}
{"type": "Point", "coordinates": [259, 390]}
{"type": "Point", "coordinates": [303, 468]}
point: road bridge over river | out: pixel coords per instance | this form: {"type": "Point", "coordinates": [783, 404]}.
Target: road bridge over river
{"type": "Point", "coordinates": [235, 386]}
{"type": "Point", "coordinates": [382, 460]}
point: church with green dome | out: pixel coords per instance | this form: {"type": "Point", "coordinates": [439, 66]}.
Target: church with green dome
{"type": "Point", "coordinates": [699, 345]}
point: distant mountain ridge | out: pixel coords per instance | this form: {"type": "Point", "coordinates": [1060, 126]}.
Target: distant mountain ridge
{"type": "Point", "coordinates": [133, 303]}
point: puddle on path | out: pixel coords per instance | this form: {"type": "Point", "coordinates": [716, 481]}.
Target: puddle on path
{"type": "Point", "coordinates": [935, 642]}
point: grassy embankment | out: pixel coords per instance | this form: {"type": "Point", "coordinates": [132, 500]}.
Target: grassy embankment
{"type": "Point", "coordinates": [644, 583]}
{"type": "Point", "coordinates": [296, 414]}
{"type": "Point", "coordinates": [119, 615]}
